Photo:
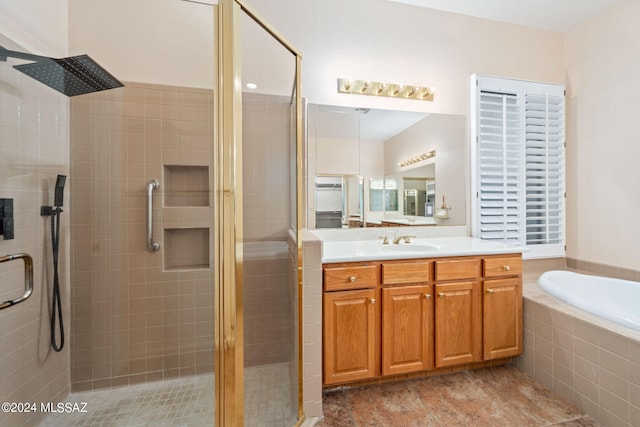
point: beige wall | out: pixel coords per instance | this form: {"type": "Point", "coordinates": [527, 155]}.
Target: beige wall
{"type": "Point", "coordinates": [603, 65]}
{"type": "Point", "coordinates": [34, 148]}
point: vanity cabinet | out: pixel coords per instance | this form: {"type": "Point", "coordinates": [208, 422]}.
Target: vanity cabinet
{"type": "Point", "coordinates": [349, 323]}
{"type": "Point", "coordinates": [458, 310]}
{"type": "Point", "coordinates": [502, 308]}
{"type": "Point", "coordinates": [407, 317]}
{"type": "Point", "coordinates": [398, 317]}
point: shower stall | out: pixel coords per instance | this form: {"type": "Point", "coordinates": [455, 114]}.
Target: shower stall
{"type": "Point", "coordinates": [179, 262]}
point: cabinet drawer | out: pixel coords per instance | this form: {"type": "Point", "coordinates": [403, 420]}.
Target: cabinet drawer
{"type": "Point", "coordinates": [406, 272]}
{"type": "Point", "coordinates": [503, 266]}
{"type": "Point", "coordinates": [356, 277]}
{"type": "Point", "coordinates": [458, 269]}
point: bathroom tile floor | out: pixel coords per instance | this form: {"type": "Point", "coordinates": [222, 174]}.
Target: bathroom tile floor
{"type": "Point", "coordinates": [184, 402]}
{"type": "Point", "coordinates": [497, 396]}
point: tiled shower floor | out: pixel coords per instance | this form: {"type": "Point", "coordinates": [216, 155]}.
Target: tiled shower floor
{"type": "Point", "coordinates": [500, 396]}
{"type": "Point", "coordinates": [181, 402]}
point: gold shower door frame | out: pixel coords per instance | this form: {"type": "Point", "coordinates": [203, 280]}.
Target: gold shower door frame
{"type": "Point", "coordinates": [228, 235]}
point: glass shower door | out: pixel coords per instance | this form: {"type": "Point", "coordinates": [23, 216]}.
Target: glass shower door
{"type": "Point", "coordinates": [270, 295]}
{"type": "Point", "coordinates": [260, 170]}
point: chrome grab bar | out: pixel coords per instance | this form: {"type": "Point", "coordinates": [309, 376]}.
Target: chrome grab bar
{"type": "Point", "coordinates": [28, 278]}
{"type": "Point", "coordinates": [152, 245]}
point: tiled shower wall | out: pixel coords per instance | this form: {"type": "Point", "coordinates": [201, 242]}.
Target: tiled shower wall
{"type": "Point", "coordinates": [140, 316]}
{"type": "Point", "coordinates": [34, 148]}
{"type": "Point", "coordinates": [269, 304]}
{"type": "Point", "coordinates": [266, 139]}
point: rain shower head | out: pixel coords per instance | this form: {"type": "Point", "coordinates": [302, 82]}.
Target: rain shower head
{"type": "Point", "coordinates": [71, 76]}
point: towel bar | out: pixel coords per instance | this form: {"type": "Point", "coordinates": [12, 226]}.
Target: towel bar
{"type": "Point", "coordinates": [28, 278]}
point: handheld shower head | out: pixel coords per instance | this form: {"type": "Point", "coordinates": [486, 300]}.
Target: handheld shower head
{"type": "Point", "coordinates": [59, 190]}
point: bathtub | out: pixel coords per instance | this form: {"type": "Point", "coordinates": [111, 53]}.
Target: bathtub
{"type": "Point", "coordinates": [614, 299]}
{"type": "Point", "coordinates": [581, 344]}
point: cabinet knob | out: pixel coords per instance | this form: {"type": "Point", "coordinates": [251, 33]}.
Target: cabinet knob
{"type": "Point", "coordinates": [489, 291]}
{"type": "Point", "coordinates": [373, 300]}
{"type": "Point", "coordinates": [506, 267]}
{"type": "Point", "coordinates": [441, 294]}
{"type": "Point", "coordinates": [352, 279]}
{"type": "Point", "coordinates": [427, 296]}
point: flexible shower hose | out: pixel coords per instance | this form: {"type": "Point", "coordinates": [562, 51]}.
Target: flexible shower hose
{"type": "Point", "coordinates": [56, 303]}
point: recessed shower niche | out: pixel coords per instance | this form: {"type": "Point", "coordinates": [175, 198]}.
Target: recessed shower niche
{"type": "Point", "coordinates": [186, 194]}
{"type": "Point", "coordinates": [186, 248]}
{"type": "Point", "coordinates": [186, 185]}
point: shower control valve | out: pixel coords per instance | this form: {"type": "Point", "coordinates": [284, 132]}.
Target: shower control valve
{"type": "Point", "coordinates": [6, 218]}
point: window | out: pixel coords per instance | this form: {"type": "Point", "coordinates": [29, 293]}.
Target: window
{"type": "Point", "coordinates": [518, 157]}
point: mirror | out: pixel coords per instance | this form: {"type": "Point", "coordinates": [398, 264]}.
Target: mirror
{"type": "Point", "coordinates": [375, 145]}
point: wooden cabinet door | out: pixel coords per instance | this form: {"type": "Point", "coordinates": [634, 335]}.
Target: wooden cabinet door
{"type": "Point", "coordinates": [349, 335]}
{"type": "Point", "coordinates": [458, 323]}
{"type": "Point", "coordinates": [502, 327]}
{"type": "Point", "coordinates": [407, 329]}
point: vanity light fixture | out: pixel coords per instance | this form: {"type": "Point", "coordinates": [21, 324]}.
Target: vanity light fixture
{"type": "Point", "coordinates": [252, 86]}
{"type": "Point", "coordinates": [416, 159]}
{"type": "Point", "coordinates": [392, 90]}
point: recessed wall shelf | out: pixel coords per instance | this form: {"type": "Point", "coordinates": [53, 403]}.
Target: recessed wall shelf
{"type": "Point", "coordinates": [186, 248]}
{"type": "Point", "coordinates": [186, 185]}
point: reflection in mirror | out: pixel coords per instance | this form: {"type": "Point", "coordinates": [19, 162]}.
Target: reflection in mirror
{"type": "Point", "coordinates": [373, 144]}
{"type": "Point", "coordinates": [383, 195]}
{"type": "Point", "coordinates": [419, 196]}
{"type": "Point", "coordinates": [339, 201]}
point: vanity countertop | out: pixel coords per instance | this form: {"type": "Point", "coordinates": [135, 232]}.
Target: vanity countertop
{"type": "Point", "coordinates": [375, 250]}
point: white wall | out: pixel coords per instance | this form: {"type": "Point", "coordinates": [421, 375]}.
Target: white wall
{"type": "Point", "coordinates": [603, 191]}
{"type": "Point", "coordinates": [38, 26]}
{"type": "Point", "coordinates": [152, 41]}
{"type": "Point", "coordinates": [336, 141]}
{"type": "Point", "coordinates": [386, 41]}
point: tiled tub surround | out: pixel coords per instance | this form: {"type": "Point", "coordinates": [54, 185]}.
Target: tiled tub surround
{"type": "Point", "coordinates": [587, 360]}
{"type": "Point", "coordinates": [140, 316]}
{"type": "Point", "coordinates": [34, 148]}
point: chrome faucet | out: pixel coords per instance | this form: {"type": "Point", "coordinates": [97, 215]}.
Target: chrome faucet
{"type": "Point", "coordinates": [407, 239]}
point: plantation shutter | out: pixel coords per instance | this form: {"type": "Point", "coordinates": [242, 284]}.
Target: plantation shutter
{"type": "Point", "coordinates": [518, 164]}
{"type": "Point", "coordinates": [500, 167]}
{"type": "Point", "coordinates": [544, 117]}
